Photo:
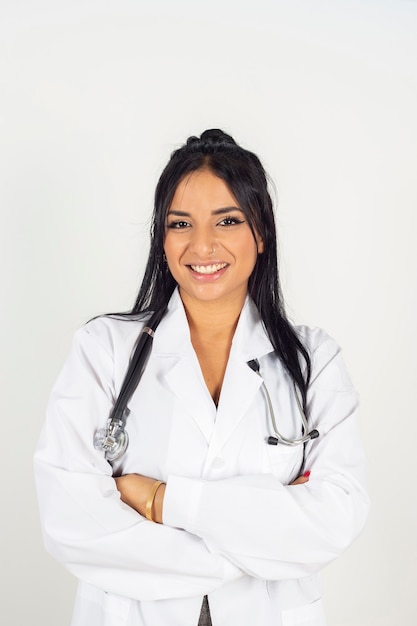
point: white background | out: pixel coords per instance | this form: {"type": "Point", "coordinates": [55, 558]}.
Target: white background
{"type": "Point", "coordinates": [94, 97]}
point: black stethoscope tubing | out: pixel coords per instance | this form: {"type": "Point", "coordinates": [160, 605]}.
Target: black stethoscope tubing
{"type": "Point", "coordinates": [113, 438]}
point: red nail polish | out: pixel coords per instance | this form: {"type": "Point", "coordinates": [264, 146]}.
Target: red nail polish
{"type": "Point", "coordinates": [307, 473]}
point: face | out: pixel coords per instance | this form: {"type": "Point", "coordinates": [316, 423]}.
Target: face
{"type": "Point", "coordinates": [209, 246]}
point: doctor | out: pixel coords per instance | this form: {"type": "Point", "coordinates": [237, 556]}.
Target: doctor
{"type": "Point", "coordinates": [204, 520]}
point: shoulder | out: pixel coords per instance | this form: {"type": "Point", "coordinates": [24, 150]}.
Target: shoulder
{"type": "Point", "coordinates": [327, 365]}
{"type": "Point", "coordinates": [111, 332]}
{"type": "Point", "coordinates": [314, 338]}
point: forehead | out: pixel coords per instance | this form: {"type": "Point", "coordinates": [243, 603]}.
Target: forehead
{"type": "Point", "coordinates": [202, 190]}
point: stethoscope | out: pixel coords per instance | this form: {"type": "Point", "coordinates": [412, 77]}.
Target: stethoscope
{"type": "Point", "coordinates": [273, 441]}
{"type": "Point", "coordinates": [113, 439]}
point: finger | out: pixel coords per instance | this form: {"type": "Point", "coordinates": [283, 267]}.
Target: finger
{"type": "Point", "coordinates": [302, 479]}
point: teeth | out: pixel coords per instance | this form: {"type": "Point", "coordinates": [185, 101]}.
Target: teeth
{"type": "Point", "coordinates": [208, 269]}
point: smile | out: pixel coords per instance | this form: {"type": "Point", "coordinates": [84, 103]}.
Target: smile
{"type": "Point", "coordinates": [208, 269]}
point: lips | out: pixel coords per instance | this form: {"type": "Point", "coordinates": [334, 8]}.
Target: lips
{"type": "Point", "coordinates": [208, 269]}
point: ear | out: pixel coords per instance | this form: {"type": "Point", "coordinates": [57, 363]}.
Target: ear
{"type": "Point", "coordinates": [260, 244]}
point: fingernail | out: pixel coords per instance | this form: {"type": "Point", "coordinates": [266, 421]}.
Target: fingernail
{"type": "Point", "coordinates": [307, 473]}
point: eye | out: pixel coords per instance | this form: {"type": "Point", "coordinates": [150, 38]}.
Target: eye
{"type": "Point", "coordinates": [230, 221]}
{"type": "Point", "coordinates": [178, 224]}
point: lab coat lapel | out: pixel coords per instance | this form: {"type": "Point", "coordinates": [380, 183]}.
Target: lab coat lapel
{"type": "Point", "coordinates": [182, 372]}
{"type": "Point", "coordinates": [186, 383]}
{"type": "Point", "coordinates": [241, 384]}
{"type": "Point", "coordinates": [240, 387]}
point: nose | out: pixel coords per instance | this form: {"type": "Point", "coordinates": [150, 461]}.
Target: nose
{"type": "Point", "coordinates": [203, 242]}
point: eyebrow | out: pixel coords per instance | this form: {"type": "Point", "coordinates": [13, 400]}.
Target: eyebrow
{"type": "Point", "coordinates": [221, 211]}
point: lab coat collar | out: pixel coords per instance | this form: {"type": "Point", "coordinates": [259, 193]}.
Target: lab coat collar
{"type": "Point", "coordinates": [185, 380]}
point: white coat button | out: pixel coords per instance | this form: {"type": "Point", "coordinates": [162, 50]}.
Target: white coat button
{"type": "Point", "coordinates": [217, 463]}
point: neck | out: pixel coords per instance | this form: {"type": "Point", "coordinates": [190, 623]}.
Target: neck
{"type": "Point", "coordinates": [212, 319]}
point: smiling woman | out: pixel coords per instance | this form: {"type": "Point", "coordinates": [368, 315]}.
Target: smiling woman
{"type": "Point", "coordinates": [204, 520]}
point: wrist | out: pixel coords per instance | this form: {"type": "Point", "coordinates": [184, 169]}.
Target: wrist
{"type": "Point", "coordinates": [154, 502]}
{"type": "Point", "coordinates": [159, 504]}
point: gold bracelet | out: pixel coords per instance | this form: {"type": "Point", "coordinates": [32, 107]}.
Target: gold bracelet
{"type": "Point", "coordinates": [151, 498]}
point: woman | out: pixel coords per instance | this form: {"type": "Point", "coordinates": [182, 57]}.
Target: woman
{"type": "Point", "coordinates": [204, 519]}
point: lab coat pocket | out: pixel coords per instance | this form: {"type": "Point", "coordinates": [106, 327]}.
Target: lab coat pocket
{"type": "Point", "coordinates": [305, 615]}
{"type": "Point", "coordinates": [95, 607]}
{"type": "Point", "coordinates": [284, 461]}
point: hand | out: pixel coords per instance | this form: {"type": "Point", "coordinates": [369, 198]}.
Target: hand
{"type": "Point", "coordinates": [302, 479]}
{"type": "Point", "coordinates": [135, 489]}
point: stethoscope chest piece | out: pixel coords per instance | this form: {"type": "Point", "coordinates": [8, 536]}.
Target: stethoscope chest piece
{"type": "Point", "coordinates": [112, 440]}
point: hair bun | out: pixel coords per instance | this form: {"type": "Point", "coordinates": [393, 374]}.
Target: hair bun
{"type": "Point", "coordinates": [216, 136]}
{"type": "Point", "coordinates": [212, 138]}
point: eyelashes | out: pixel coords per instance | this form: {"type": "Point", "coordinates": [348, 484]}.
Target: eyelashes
{"type": "Point", "coordinates": [231, 221]}
{"type": "Point", "coordinates": [225, 222]}
{"type": "Point", "coordinates": [177, 224]}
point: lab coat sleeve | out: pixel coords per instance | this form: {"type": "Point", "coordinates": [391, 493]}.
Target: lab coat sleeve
{"type": "Point", "coordinates": [276, 531]}
{"type": "Point", "coordinates": [86, 526]}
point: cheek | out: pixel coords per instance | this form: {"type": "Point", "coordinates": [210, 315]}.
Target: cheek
{"type": "Point", "coordinates": [169, 248]}
{"type": "Point", "coordinates": [250, 251]}
{"type": "Point", "coordinates": [173, 250]}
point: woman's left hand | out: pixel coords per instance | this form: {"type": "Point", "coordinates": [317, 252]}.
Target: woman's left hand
{"type": "Point", "coordinates": [135, 490]}
{"type": "Point", "coordinates": [301, 480]}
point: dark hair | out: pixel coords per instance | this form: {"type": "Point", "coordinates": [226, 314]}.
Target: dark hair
{"type": "Point", "coordinates": [245, 176]}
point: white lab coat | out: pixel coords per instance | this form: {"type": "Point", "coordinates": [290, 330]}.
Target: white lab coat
{"type": "Point", "coordinates": [233, 528]}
